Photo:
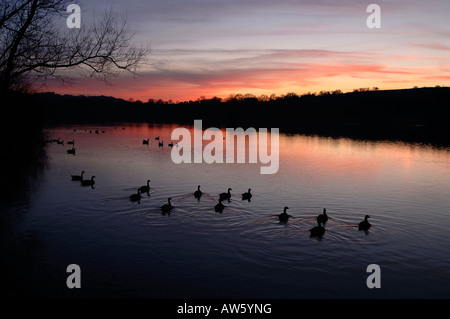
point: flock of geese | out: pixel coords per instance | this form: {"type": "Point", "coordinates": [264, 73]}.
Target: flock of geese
{"type": "Point", "coordinates": [317, 231]}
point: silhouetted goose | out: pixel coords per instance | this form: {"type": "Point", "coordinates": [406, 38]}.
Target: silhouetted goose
{"type": "Point", "coordinates": [247, 195]}
{"type": "Point", "coordinates": [71, 151]}
{"type": "Point", "coordinates": [198, 193]}
{"type": "Point", "coordinates": [167, 207]}
{"type": "Point", "coordinates": [227, 195]}
{"type": "Point", "coordinates": [170, 144]}
{"type": "Point", "coordinates": [60, 142]}
{"type": "Point", "coordinates": [71, 142]}
{"type": "Point", "coordinates": [136, 197]}
{"type": "Point", "coordinates": [160, 144]}
{"type": "Point", "coordinates": [364, 225]}
{"type": "Point", "coordinates": [219, 207]}
{"type": "Point", "coordinates": [317, 231]}
{"type": "Point", "coordinates": [157, 138]}
{"type": "Point", "coordinates": [77, 177]}
{"type": "Point", "coordinates": [322, 218]}
{"type": "Point", "coordinates": [88, 182]}
{"type": "Point", "coordinates": [145, 188]}
{"type": "Point", "coordinates": [145, 141]}
{"type": "Point", "coordinates": [283, 217]}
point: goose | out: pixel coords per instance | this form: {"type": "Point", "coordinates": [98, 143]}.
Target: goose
{"type": "Point", "coordinates": [136, 197]}
{"type": "Point", "coordinates": [219, 207]}
{"type": "Point", "coordinates": [60, 142]}
{"type": "Point", "coordinates": [145, 188]}
{"type": "Point", "coordinates": [322, 218]}
{"type": "Point", "coordinates": [72, 151]}
{"type": "Point", "coordinates": [77, 177]}
{"type": "Point", "coordinates": [227, 195]}
{"type": "Point", "coordinates": [283, 217]}
{"type": "Point", "coordinates": [157, 138]}
{"type": "Point", "coordinates": [248, 195]}
{"type": "Point", "coordinates": [364, 225]}
{"type": "Point", "coordinates": [317, 231]}
{"type": "Point", "coordinates": [160, 144]}
{"type": "Point", "coordinates": [170, 144]}
{"type": "Point", "coordinates": [167, 207]}
{"type": "Point", "coordinates": [88, 182]}
{"type": "Point", "coordinates": [145, 141]}
{"type": "Point", "coordinates": [198, 193]}
{"type": "Point", "coordinates": [71, 142]}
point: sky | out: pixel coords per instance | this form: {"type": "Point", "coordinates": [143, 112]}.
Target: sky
{"type": "Point", "coordinates": [220, 47]}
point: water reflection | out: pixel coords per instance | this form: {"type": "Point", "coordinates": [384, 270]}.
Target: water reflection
{"type": "Point", "coordinates": [172, 243]}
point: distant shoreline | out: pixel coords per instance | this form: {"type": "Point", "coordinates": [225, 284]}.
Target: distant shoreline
{"type": "Point", "coordinates": [411, 115]}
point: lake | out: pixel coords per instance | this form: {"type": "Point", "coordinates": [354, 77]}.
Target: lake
{"type": "Point", "coordinates": [131, 249]}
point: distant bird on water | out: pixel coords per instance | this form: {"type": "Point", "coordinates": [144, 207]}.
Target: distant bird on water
{"type": "Point", "coordinates": [224, 196]}
{"type": "Point", "coordinates": [166, 208]}
{"type": "Point", "coordinates": [283, 217]}
{"type": "Point", "coordinates": [248, 195]}
{"type": "Point", "coordinates": [198, 193]}
{"type": "Point", "coordinates": [71, 151]}
{"type": "Point", "coordinates": [364, 225]}
{"type": "Point", "coordinates": [322, 218]}
{"type": "Point", "coordinates": [219, 207]}
{"type": "Point", "coordinates": [88, 182]}
{"type": "Point", "coordinates": [145, 188]}
{"type": "Point", "coordinates": [77, 177]}
{"type": "Point", "coordinates": [145, 141]}
{"type": "Point", "coordinates": [160, 144]}
{"type": "Point", "coordinates": [136, 197]}
{"type": "Point", "coordinates": [317, 231]}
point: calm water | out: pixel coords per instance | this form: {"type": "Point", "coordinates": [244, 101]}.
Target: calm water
{"type": "Point", "coordinates": [128, 249]}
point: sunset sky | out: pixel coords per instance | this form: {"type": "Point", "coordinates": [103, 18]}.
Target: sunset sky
{"type": "Point", "coordinates": [217, 48]}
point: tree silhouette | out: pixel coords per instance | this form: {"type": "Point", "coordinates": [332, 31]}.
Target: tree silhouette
{"type": "Point", "coordinates": [35, 45]}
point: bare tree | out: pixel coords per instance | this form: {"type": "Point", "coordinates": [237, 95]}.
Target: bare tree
{"type": "Point", "coordinates": [35, 45]}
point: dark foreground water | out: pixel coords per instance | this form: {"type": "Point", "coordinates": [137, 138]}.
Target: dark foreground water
{"type": "Point", "coordinates": [131, 250]}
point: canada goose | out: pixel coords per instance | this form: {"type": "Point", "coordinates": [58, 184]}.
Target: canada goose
{"type": "Point", "coordinates": [170, 144]}
{"type": "Point", "coordinates": [72, 151]}
{"type": "Point", "coordinates": [322, 218]}
{"type": "Point", "coordinates": [157, 138]}
{"type": "Point", "coordinates": [219, 207]}
{"type": "Point", "coordinates": [248, 195]}
{"type": "Point", "coordinates": [317, 231]}
{"type": "Point", "coordinates": [364, 225]}
{"type": "Point", "coordinates": [136, 197]}
{"type": "Point", "coordinates": [160, 144]}
{"type": "Point", "coordinates": [60, 142]}
{"type": "Point", "coordinates": [284, 216]}
{"type": "Point", "coordinates": [227, 195]}
{"type": "Point", "coordinates": [145, 141]}
{"type": "Point", "coordinates": [77, 177]}
{"type": "Point", "coordinates": [145, 188]}
{"type": "Point", "coordinates": [71, 142]}
{"type": "Point", "coordinates": [198, 193]}
{"type": "Point", "coordinates": [167, 207]}
{"type": "Point", "coordinates": [88, 182]}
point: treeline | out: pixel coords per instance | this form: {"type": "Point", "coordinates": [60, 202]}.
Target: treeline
{"type": "Point", "coordinates": [410, 113]}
